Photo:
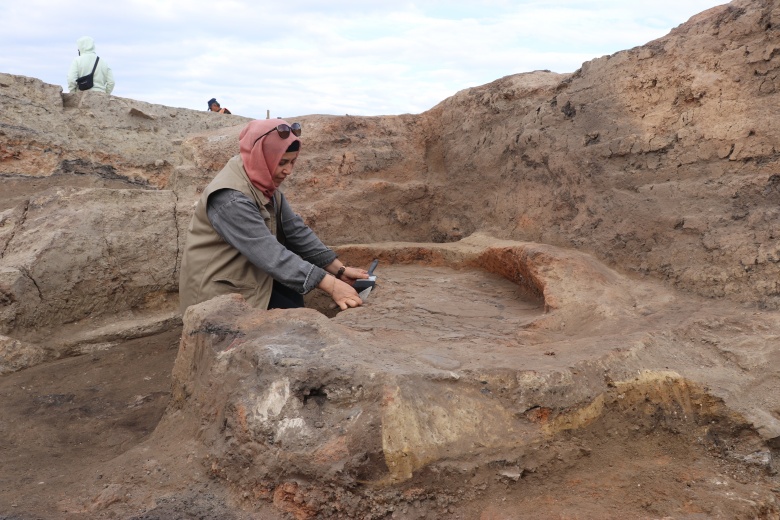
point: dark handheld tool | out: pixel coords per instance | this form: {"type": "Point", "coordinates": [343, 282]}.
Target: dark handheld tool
{"type": "Point", "coordinates": [364, 286]}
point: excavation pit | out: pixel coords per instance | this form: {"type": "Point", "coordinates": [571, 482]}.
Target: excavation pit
{"type": "Point", "coordinates": [445, 361]}
{"type": "Point", "coordinates": [437, 307]}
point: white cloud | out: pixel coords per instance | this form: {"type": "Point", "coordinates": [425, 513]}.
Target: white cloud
{"type": "Point", "coordinates": [335, 57]}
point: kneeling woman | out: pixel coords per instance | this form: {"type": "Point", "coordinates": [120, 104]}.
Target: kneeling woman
{"type": "Point", "coordinates": [245, 238]}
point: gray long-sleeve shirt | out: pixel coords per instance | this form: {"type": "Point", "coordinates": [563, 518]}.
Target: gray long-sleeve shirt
{"type": "Point", "coordinates": [298, 264]}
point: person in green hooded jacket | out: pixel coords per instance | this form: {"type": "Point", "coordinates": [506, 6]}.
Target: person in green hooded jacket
{"type": "Point", "coordinates": [103, 79]}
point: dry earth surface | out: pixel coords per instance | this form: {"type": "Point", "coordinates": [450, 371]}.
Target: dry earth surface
{"type": "Point", "coordinates": [576, 315]}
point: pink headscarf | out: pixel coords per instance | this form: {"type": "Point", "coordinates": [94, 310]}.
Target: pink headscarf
{"type": "Point", "coordinates": [261, 158]}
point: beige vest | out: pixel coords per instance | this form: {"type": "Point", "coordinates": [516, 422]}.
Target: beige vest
{"type": "Point", "coordinates": [210, 266]}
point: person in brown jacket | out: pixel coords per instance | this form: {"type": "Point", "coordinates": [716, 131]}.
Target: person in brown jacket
{"type": "Point", "coordinates": [245, 238]}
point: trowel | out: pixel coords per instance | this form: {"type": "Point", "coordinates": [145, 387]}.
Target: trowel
{"type": "Point", "coordinates": [364, 286]}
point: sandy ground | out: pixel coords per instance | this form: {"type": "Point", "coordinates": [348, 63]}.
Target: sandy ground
{"type": "Point", "coordinates": [69, 425]}
{"type": "Point", "coordinates": [62, 419]}
{"type": "Point", "coordinates": [64, 422]}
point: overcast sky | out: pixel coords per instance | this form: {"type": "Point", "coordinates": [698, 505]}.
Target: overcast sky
{"type": "Point", "coordinates": [323, 57]}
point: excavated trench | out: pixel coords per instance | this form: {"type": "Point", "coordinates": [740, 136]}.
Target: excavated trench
{"type": "Point", "coordinates": [476, 373]}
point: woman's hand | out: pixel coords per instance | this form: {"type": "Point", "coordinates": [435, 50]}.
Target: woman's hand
{"type": "Point", "coordinates": [341, 292]}
{"type": "Point", "coordinates": [353, 273]}
{"type": "Point", "coordinates": [346, 274]}
{"type": "Point", "coordinates": [345, 296]}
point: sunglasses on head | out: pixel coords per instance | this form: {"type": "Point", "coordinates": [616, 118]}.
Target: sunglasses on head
{"type": "Point", "coordinates": [283, 131]}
